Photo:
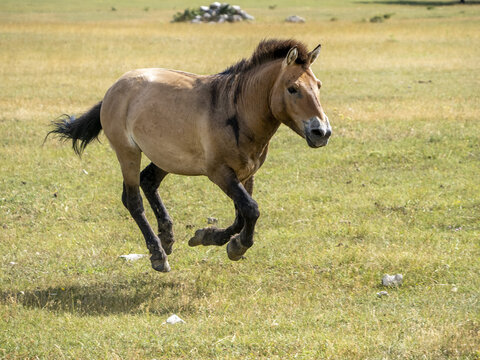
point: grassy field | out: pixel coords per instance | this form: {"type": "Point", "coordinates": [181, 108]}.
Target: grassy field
{"type": "Point", "coordinates": [395, 191]}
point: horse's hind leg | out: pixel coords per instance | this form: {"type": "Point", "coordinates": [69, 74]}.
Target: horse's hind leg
{"type": "Point", "coordinates": [150, 179]}
{"type": "Point", "coordinates": [130, 163]}
{"type": "Point", "coordinates": [214, 236]}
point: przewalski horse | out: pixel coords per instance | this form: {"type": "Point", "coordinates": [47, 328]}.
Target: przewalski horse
{"type": "Point", "coordinates": [218, 126]}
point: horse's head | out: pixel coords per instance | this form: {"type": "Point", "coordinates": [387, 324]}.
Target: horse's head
{"type": "Point", "coordinates": [295, 99]}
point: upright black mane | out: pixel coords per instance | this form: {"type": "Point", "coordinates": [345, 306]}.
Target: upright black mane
{"type": "Point", "coordinates": [226, 87]}
{"type": "Point", "coordinates": [269, 50]}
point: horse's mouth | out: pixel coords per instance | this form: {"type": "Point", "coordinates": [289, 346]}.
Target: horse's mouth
{"type": "Point", "coordinates": [316, 143]}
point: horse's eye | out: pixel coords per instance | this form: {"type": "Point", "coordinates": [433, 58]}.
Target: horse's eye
{"type": "Point", "coordinates": [292, 90]}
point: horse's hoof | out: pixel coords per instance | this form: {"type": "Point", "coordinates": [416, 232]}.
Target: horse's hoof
{"type": "Point", "coordinates": [235, 251]}
{"type": "Point", "coordinates": [197, 239]}
{"type": "Point", "coordinates": [160, 265]}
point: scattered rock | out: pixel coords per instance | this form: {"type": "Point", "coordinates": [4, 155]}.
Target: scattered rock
{"type": "Point", "coordinates": [12, 263]}
{"type": "Point", "coordinates": [392, 280]}
{"type": "Point", "coordinates": [295, 19]}
{"type": "Point", "coordinates": [382, 293]}
{"type": "Point", "coordinates": [132, 257]}
{"type": "Point", "coordinates": [212, 220]}
{"type": "Point", "coordinates": [174, 319]}
{"type": "Point", "coordinates": [215, 13]}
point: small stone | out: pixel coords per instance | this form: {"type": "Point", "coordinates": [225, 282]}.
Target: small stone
{"type": "Point", "coordinates": [392, 280]}
{"type": "Point", "coordinates": [195, 21]}
{"type": "Point", "coordinates": [295, 19]}
{"type": "Point", "coordinates": [215, 5]}
{"type": "Point", "coordinates": [174, 319]}
{"type": "Point", "coordinates": [454, 289]}
{"type": "Point", "coordinates": [382, 293]}
{"type": "Point", "coordinates": [132, 257]}
{"type": "Point", "coordinates": [12, 263]}
{"type": "Point", "coordinates": [212, 220]}
{"type": "Point", "coordinates": [85, 171]}
{"type": "Point", "coordinates": [204, 8]}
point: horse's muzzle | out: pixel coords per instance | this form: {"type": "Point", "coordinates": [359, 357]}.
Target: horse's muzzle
{"type": "Point", "coordinates": [317, 132]}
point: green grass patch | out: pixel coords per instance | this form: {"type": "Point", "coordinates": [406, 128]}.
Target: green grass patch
{"type": "Point", "coordinates": [395, 191]}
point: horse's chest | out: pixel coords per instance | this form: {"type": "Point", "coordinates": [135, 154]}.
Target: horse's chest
{"type": "Point", "coordinates": [250, 164]}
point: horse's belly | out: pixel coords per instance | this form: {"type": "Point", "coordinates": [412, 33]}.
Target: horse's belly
{"type": "Point", "coordinates": [178, 163]}
{"type": "Point", "coordinates": [171, 148]}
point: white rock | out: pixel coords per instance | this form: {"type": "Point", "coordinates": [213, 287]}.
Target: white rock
{"type": "Point", "coordinates": [295, 19]}
{"type": "Point", "coordinates": [392, 280]}
{"type": "Point", "coordinates": [12, 263]}
{"type": "Point", "coordinates": [382, 293]}
{"type": "Point", "coordinates": [132, 257]}
{"type": "Point", "coordinates": [215, 5]}
{"type": "Point", "coordinates": [174, 319]}
{"type": "Point", "coordinates": [212, 220]}
{"type": "Point", "coordinates": [204, 8]}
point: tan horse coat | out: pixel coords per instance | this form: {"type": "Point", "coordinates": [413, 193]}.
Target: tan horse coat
{"type": "Point", "coordinates": [218, 126]}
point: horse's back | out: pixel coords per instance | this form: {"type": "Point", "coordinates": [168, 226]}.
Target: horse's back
{"type": "Point", "coordinates": [162, 113]}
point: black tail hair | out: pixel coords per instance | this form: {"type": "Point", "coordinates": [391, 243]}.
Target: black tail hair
{"type": "Point", "coordinates": [82, 130]}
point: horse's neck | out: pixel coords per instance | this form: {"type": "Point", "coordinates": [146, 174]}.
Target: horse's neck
{"type": "Point", "coordinates": [255, 98]}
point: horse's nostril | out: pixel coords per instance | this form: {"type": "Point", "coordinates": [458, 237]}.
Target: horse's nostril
{"type": "Point", "coordinates": [318, 132]}
{"type": "Point", "coordinates": [328, 133]}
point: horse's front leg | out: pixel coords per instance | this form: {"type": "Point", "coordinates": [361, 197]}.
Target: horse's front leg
{"type": "Point", "coordinates": [219, 237]}
{"type": "Point", "coordinates": [214, 236]}
{"type": "Point", "coordinates": [227, 180]}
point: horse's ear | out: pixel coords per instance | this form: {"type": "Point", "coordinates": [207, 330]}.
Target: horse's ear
{"type": "Point", "coordinates": [314, 54]}
{"type": "Point", "coordinates": [291, 56]}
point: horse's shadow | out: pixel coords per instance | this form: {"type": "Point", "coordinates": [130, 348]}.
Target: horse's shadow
{"type": "Point", "coordinates": [129, 297]}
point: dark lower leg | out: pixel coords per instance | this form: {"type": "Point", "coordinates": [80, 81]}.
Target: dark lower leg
{"type": "Point", "coordinates": [241, 195]}
{"type": "Point", "coordinates": [214, 236]}
{"type": "Point", "coordinates": [227, 180]}
{"type": "Point", "coordinates": [219, 237]}
{"type": "Point", "coordinates": [150, 179]}
{"type": "Point", "coordinates": [133, 201]}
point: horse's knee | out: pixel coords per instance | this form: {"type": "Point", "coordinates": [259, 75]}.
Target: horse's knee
{"type": "Point", "coordinates": [250, 211]}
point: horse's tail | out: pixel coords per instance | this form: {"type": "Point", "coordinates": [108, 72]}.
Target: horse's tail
{"type": "Point", "coordinates": [81, 130]}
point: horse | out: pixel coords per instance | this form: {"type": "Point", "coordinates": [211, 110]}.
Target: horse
{"type": "Point", "coordinates": [217, 126]}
